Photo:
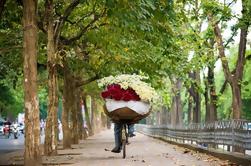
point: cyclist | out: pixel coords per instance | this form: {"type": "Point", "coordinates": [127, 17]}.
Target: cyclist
{"type": "Point", "coordinates": [117, 135]}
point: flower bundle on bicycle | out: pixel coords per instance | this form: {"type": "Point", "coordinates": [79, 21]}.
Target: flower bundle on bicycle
{"type": "Point", "coordinates": [127, 97]}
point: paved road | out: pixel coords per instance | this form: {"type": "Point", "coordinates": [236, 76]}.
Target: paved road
{"type": "Point", "coordinates": [10, 144]}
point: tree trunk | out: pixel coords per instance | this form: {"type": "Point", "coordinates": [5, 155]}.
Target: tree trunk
{"type": "Point", "coordinates": [78, 122]}
{"type": "Point", "coordinates": [80, 117]}
{"type": "Point", "coordinates": [197, 99]}
{"type": "Point", "coordinates": [65, 126]}
{"type": "Point", "coordinates": [190, 107]}
{"type": "Point", "coordinates": [176, 108]}
{"type": "Point", "coordinates": [87, 117]}
{"type": "Point", "coordinates": [74, 115]}
{"type": "Point", "coordinates": [163, 116]}
{"type": "Point", "coordinates": [103, 120]}
{"type": "Point", "coordinates": [67, 96]}
{"type": "Point", "coordinates": [32, 127]}
{"type": "Point", "coordinates": [213, 95]}
{"type": "Point", "coordinates": [93, 115]}
{"type": "Point", "coordinates": [207, 118]}
{"type": "Point", "coordinates": [196, 96]}
{"type": "Point", "coordinates": [50, 145]}
{"type": "Point", "coordinates": [236, 100]}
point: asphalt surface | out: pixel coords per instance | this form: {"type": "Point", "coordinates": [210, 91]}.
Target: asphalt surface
{"type": "Point", "coordinates": [10, 144]}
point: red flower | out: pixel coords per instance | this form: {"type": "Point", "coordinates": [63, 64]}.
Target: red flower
{"type": "Point", "coordinates": [115, 92]}
{"type": "Point", "coordinates": [117, 96]}
{"type": "Point", "coordinates": [131, 94]}
{"type": "Point", "coordinates": [106, 94]}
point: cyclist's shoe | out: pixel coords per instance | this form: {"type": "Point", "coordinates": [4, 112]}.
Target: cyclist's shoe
{"type": "Point", "coordinates": [132, 135]}
{"type": "Point", "coordinates": [116, 150]}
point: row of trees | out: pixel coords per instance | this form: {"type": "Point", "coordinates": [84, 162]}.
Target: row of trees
{"type": "Point", "coordinates": [68, 45]}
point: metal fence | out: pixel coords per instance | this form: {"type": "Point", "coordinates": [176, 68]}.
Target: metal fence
{"type": "Point", "coordinates": [232, 133]}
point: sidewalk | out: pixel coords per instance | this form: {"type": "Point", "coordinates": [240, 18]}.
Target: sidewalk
{"type": "Point", "coordinates": [143, 150]}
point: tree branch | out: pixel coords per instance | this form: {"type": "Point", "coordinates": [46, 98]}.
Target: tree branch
{"type": "Point", "coordinates": [82, 18]}
{"type": "Point", "coordinates": [221, 49]}
{"type": "Point", "coordinates": [84, 82]}
{"type": "Point", "coordinates": [224, 85]}
{"type": "Point", "coordinates": [67, 12]}
{"type": "Point", "coordinates": [231, 38]}
{"type": "Point", "coordinates": [83, 31]}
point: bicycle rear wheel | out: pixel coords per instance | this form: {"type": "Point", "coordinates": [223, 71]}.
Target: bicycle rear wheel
{"type": "Point", "coordinates": [124, 149]}
{"type": "Point", "coordinates": [124, 138]}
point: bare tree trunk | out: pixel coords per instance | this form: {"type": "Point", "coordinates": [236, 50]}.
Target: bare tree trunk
{"type": "Point", "coordinates": [93, 115]}
{"type": "Point", "coordinates": [207, 118]}
{"type": "Point", "coordinates": [65, 126]}
{"type": "Point", "coordinates": [190, 107]}
{"type": "Point", "coordinates": [197, 99]}
{"type": "Point", "coordinates": [74, 112]}
{"type": "Point", "coordinates": [163, 116]}
{"type": "Point", "coordinates": [196, 96]}
{"type": "Point", "coordinates": [67, 95]}
{"type": "Point", "coordinates": [213, 95]}
{"type": "Point", "coordinates": [80, 122]}
{"type": "Point", "coordinates": [79, 117]}
{"type": "Point", "coordinates": [87, 117]}
{"type": "Point", "coordinates": [51, 132]}
{"type": "Point", "coordinates": [103, 120]}
{"type": "Point", "coordinates": [176, 109]}
{"type": "Point", "coordinates": [236, 99]}
{"type": "Point", "coordinates": [32, 127]}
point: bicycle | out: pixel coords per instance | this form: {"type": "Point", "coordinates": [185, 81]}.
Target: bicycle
{"type": "Point", "coordinates": [124, 116]}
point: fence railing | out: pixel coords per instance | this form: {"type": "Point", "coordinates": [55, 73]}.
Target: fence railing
{"type": "Point", "coordinates": [233, 133]}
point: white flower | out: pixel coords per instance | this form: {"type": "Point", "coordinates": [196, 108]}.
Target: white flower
{"type": "Point", "coordinates": [145, 91]}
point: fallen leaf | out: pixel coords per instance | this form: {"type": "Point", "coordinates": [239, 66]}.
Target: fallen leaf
{"type": "Point", "coordinates": [186, 151]}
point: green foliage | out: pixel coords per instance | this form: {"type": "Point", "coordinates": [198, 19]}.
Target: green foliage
{"type": "Point", "coordinates": [11, 100]}
{"type": "Point", "coordinates": [151, 38]}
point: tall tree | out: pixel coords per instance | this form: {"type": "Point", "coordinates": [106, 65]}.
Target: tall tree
{"type": "Point", "coordinates": [176, 107]}
{"type": "Point", "coordinates": [212, 105]}
{"type": "Point", "coordinates": [67, 98]}
{"type": "Point", "coordinates": [235, 78]}
{"type": "Point", "coordinates": [50, 145]}
{"type": "Point", "coordinates": [32, 127]}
